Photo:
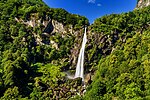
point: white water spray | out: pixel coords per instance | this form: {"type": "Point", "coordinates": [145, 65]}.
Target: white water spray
{"type": "Point", "coordinates": [79, 67]}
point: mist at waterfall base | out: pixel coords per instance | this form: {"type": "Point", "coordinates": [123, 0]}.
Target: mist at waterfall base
{"type": "Point", "coordinates": [80, 64]}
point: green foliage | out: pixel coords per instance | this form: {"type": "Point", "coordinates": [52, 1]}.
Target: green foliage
{"type": "Point", "coordinates": [122, 73]}
{"type": "Point", "coordinates": [11, 94]}
{"type": "Point", "coordinates": [48, 77]}
{"type": "Point", "coordinates": [118, 48]}
{"type": "Point", "coordinates": [29, 70]}
{"type": "Point", "coordinates": [112, 31]}
{"type": "Point", "coordinates": [51, 73]}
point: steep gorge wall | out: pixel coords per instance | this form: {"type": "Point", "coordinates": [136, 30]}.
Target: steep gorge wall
{"type": "Point", "coordinates": [50, 28]}
{"type": "Point", "coordinates": [98, 43]}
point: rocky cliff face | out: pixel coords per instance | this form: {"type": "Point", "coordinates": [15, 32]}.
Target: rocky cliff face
{"type": "Point", "coordinates": [49, 29]}
{"type": "Point", "coordinates": [143, 3]}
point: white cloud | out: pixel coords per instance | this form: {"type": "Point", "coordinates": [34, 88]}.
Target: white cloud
{"type": "Point", "coordinates": [91, 1]}
{"type": "Point", "coordinates": [99, 4]}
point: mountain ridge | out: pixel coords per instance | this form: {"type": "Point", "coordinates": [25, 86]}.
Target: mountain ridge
{"type": "Point", "coordinates": [38, 45]}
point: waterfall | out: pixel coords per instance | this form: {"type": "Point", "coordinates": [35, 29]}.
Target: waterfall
{"type": "Point", "coordinates": [79, 67]}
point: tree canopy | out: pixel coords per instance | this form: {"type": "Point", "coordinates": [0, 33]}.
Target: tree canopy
{"type": "Point", "coordinates": [32, 65]}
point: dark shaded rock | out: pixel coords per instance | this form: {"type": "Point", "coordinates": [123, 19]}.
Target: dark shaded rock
{"type": "Point", "coordinates": [49, 28]}
{"type": "Point", "coordinates": [78, 81]}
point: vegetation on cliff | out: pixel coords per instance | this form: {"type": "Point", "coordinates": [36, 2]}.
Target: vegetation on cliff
{"type": "Point", "coordinates": [32, 63]}
{"type": "Point", "coordinates": [123, 70]}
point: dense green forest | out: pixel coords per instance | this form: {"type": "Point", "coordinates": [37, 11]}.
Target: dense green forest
{"type": "Point", "coordinates": [117, 54]}
{"type": "Point", "coordinates": [123, 70]}
{"type": "Point", "coordinates": [29, 70]}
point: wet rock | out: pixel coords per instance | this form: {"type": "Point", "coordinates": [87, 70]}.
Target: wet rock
{"type": "Point", "coordinates": [87, 79]}
{"type": "Point", "coordinates": [78, 81]}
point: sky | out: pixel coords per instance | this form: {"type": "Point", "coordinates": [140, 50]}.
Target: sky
{"type": "Point", "coordinates": [93, 9]}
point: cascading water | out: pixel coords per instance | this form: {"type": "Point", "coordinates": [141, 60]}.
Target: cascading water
{"type": "Point", "coordinates": [79, 67]}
